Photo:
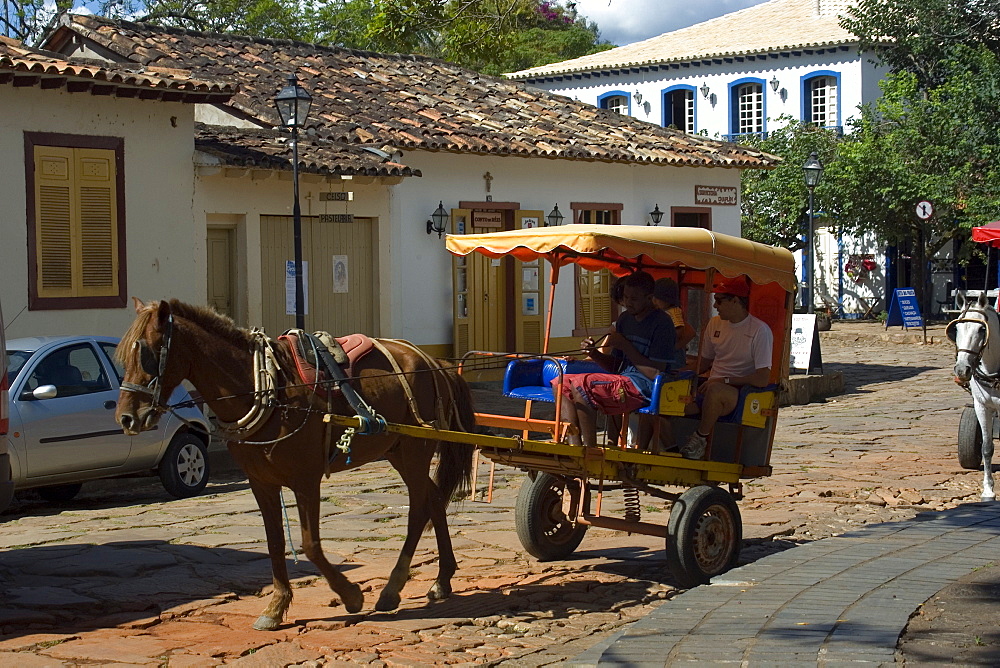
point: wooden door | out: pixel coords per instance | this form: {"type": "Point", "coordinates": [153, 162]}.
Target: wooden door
{"type": "Point", "coordinates": [480, 288]}
{"type": "Point", "coordinates": [339, 299]}
{"type": "Point", "coordinates": [221, 270]}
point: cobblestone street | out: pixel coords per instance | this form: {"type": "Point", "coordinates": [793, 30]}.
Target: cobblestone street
{"type": "Point", "coordinates": [122, 575]}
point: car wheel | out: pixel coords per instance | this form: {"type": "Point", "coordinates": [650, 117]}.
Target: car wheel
{"type": "Point", "coordinates": [59, 493]}
{"type": "Point", "coordinates": [184, 468]}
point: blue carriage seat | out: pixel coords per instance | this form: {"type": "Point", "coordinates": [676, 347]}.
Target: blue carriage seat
{"type": "Point", "coordinates": [531, 379]}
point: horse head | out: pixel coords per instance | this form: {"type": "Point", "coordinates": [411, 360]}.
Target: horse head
{"type": "Point", "coordinates": [150, 377]}
{"type": "Point", "coordinates": [972, 332]}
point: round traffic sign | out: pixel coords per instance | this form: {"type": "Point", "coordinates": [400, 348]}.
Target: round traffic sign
{"type": "Point", "coordinates": [925, 210]}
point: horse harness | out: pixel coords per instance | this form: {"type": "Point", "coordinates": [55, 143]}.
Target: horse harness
{"type": "Point", "coordinates": [992, 380]}
{"type": "Point", "coordinates": [327, 357]}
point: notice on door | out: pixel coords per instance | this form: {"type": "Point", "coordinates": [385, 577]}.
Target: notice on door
{"type": "Point", "coordinates": [290, 287]}
{"type": "Point", "coordinates": [340, 273]}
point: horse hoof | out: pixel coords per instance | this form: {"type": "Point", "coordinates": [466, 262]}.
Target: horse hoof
{"type": "Point", "coordinates": [988, 498]}
{"type": "Point", "coordinates": [265, 623]}
{"type": "Point", "coordinates": [387, 602]}
{"type": "Point", "coordinates": [439, 592]}
{"type": "Point", "coordinates": [355, 602]}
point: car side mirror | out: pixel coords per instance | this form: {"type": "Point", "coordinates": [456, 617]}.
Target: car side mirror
{"type": "Point", "coordinates": [45, 392]}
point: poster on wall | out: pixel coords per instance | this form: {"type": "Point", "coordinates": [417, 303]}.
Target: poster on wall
{"type": "Point", "coordinates": [290, 287]}
{"type": "Point", "coordinates": [340, 273]}
{"type": "Point", "coordinates": [529, 222]}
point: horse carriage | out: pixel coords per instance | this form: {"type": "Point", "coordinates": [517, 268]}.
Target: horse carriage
{"type": "Point", "coordinates": [975, 364]}
{"type": "Point", "coordinates": [396, 403]}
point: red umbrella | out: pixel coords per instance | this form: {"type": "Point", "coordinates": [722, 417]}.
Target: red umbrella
{"type": "Point", "coordinates": [988, 234]}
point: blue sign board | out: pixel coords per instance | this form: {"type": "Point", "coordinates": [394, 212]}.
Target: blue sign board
{"type": "Point", "coordinates": [904, 309]}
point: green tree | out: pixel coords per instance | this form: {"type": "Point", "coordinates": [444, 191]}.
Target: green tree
{"type": "Point", "coordinates": [491, 36]}
{"type": "Point", "coordinates": [920, 36]}
{"type": "Point", "coordinates": [775, 203]}
{"type": "Point", "coordinates": [940, 143]}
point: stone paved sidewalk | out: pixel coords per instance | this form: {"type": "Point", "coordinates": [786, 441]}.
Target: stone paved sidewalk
{"type": "Point", "coordinates": [838, 601]}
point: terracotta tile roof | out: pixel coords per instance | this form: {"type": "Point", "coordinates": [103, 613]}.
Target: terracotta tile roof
{"type": "Point", "coordinates": [777, 25]}
{"type": "Point", "coordinates": [270, 149]}
{"type": "Point", "coordinates": [408, 101]}
{"type": "Point", "coordinates": [22, 65]}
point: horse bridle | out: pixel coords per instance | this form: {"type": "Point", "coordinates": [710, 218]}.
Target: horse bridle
{"type": "Point", "coordinates": [952, 333]}
{"type": "Point", "coordinates": [155, 366]}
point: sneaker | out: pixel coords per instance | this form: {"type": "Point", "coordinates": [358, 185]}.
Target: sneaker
{"type": "Point", "coordinates": [695, 446]}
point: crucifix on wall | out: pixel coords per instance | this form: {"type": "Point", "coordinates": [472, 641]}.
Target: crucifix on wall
{"type": "Point", "coordinates": [489, 180]}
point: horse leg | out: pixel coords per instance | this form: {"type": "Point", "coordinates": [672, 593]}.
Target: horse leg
{"type": "Point", "coordinates": [308, 501]}
{"type": "Point", "coordinates": [413, 468]}
{"type": "Point", "coordinates": [447, 564]}
{"type": "Point", "coordinates": [986, 424]}
{"type": "Point", "coordinates": [269, 501]}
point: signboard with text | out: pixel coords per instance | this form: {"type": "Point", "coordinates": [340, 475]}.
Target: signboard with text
{"type": "Point", "coordinates": [904, 309]}
{"type": "Point", "coordinates": [805, 351]}
{"type": "Point", "coordinates": [487, 218]}
{"type": "Point", "coordinates": [716, 195]}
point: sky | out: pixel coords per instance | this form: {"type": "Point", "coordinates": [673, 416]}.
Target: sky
{"type": "Point", "coordinates": [625, 21]}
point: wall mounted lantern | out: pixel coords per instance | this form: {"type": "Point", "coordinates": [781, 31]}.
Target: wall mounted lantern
{"type": "Point", "coordinates": [637, 96]}
{"type": "Point", "coordinates": [438, 220]}
{"type": "Point", "coordinates": [705, 90]}
{"type": "Point", "coordinates": [775, 83]}
{"type": "Point", "coordinates": [555, 217]}
{"type": "Point", "coordinates": [656, 215]}
{"type": "Point", "coordinates": [293, 104]}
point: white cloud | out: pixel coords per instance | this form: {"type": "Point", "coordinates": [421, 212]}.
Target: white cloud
{"type": "Point", "coordinates": [626, 21]}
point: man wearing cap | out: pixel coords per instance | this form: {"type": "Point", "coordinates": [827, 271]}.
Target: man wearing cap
{"type": "Point", "coordinates": [737, 347]}
{"type": "Point", "coordinates": [642, 345]}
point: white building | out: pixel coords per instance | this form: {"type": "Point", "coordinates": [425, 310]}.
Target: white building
{"type": "Point", "coordinates": [740, 74]}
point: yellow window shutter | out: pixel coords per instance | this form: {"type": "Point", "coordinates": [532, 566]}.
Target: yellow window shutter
{"type": "Point", "coordinates": [54, 221]}
{"type": "Point", "coordinates": [98, 222]}
{"type": "Point", "coordinates": [76, 234]}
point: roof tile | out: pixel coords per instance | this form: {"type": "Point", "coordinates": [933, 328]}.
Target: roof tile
{"type": "Point", "coordinates": [777, 25]}
{"type": "Point", "coordinates": [366, 97]}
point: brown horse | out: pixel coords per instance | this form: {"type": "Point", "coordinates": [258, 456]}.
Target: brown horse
{"type": "Point", "coordinates": [286, 445]}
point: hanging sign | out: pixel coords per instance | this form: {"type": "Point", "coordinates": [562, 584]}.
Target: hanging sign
{"type": "Point", "coordinates": [805, 350]}
{"type": "Point", "coordinates": [904, 309]}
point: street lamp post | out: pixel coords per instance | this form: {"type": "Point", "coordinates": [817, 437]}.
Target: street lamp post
{"type": "Point", "coordinates": [293, 107]}
{"type": "Point", "coordinates": [812, 171]}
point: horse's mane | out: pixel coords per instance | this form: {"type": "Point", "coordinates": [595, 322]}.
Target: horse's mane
{"type": "Point", "coordinates": [206, 318]}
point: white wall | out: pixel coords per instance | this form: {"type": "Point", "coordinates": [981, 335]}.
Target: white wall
{"type": "Point", "coordinates": [858, 83]}
{"type": "Point", "coordinates": [160, 232]}
{"type": "Point", "coordinates": [421, 285]}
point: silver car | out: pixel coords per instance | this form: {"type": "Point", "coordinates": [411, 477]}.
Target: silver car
{"type": "Point", "coordinates": [63, 391]}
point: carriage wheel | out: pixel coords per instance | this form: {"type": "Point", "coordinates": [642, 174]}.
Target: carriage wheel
{"type": "Point", "coordinates": [542, 527]}
{"type": "Point", "coordinates": [704, 535]}
{"type": "Point", "coordinates": [970, 441]}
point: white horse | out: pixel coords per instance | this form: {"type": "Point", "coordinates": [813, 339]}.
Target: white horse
{"type": "Point", "coordinates": [976, 334]}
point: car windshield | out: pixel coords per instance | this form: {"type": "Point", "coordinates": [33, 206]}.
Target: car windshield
{"type": "Point", "coordinates": [15, 360]}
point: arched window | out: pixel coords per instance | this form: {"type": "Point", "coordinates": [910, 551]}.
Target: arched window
{"type": "Point", "coordinates": [821, 99]}
{"type": "Point", "coordinates": [746, 98]}
{"type": "Point", "coordinates": [616, 101]}
{"type": "Point", "coordinates": [678, 108]}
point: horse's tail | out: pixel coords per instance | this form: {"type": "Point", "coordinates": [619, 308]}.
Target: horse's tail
{"type": "Point", "coordinates": [454, 471]}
